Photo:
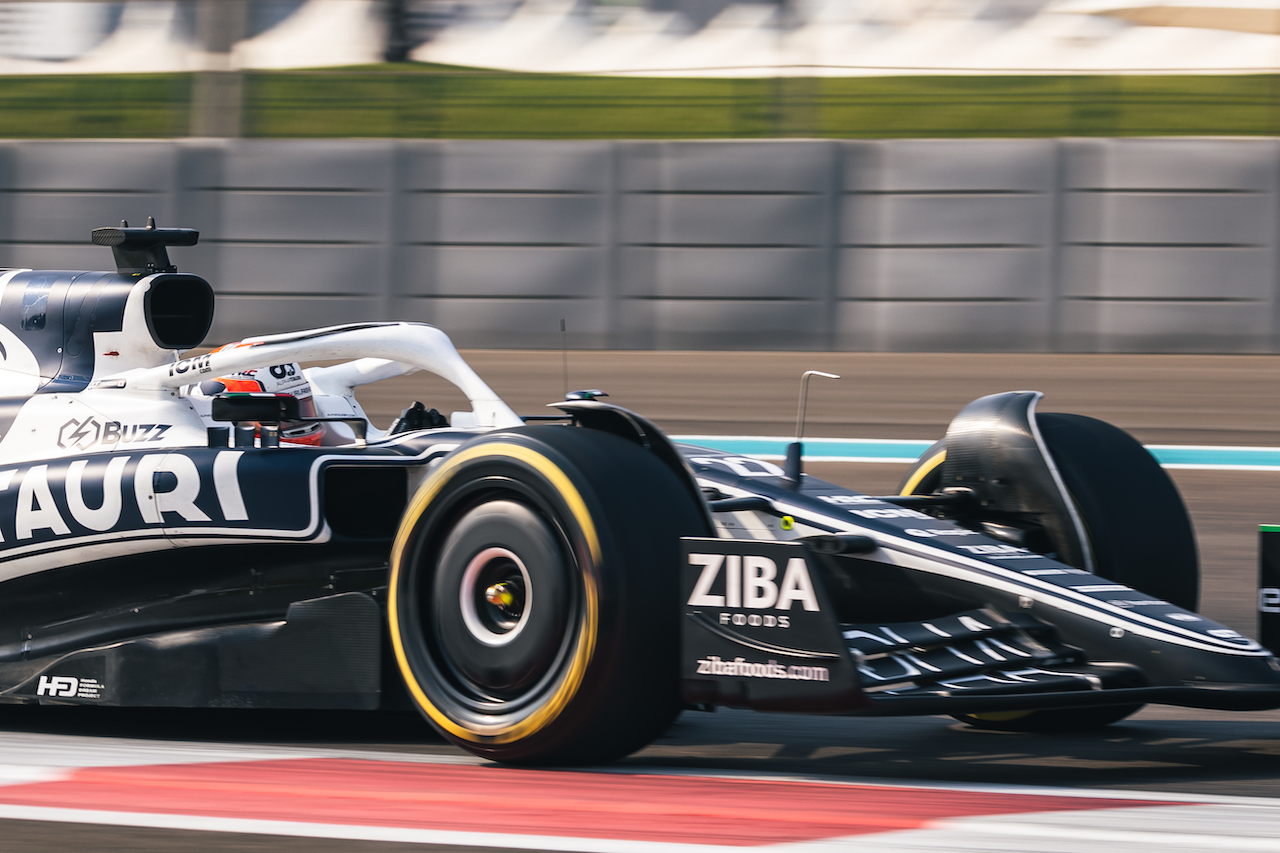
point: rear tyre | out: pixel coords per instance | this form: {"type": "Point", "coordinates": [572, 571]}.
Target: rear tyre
{"type": "Point", "coordinates": [533, 601]}
{"type": "Point", "coordinates": [1137, 525]}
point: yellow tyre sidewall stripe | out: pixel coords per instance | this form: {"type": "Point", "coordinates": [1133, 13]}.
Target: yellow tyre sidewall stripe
{"type": "Point", "coordinates": [926, 468]}
{"type": "Point", "coordinates": [585, 648]}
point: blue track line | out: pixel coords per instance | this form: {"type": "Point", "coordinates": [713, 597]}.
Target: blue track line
{"type": "Point", "coordinates": [1218, 458]}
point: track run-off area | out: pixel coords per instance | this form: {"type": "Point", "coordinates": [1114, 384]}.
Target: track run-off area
{"type": "Point", "coordinates": [156, 793]}
{"type": "Point", "coordinates": [215, 796]}
{"type": "Point", "coordinates": [1168, 778]}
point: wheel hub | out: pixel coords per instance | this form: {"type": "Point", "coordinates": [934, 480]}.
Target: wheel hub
{"type": "Point", "coordinates": [495, 596]}
{"type": "Point", "coordinates": [501, 604]}
{"type": "Point", "coordinates": [507, 597]}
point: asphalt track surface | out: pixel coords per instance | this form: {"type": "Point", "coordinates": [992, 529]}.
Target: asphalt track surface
{"type": "Point", "coordinates": [107, 756]}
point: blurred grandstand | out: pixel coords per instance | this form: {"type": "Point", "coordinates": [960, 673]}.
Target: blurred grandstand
{"type": "Point", "coordinates": [358, 159]}
{"type": "Point", "coordinates": [685, 38]}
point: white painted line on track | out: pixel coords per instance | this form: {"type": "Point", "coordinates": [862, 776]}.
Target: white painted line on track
{"type": "Point", "coordinates": [1159, 829]}
{"type": "Point", "coordinates": [1239, 821]}
{"type": "Point", "coordinates": [1172, 798]}
{"type": "Point", "coordinates": [72, 751]}
{"type": "Point", "coordinates": [356, 833]}
{"type": "Point", "coordinates": [28, 774]}
{"type": "Point", "coordinates": [1140, 830]}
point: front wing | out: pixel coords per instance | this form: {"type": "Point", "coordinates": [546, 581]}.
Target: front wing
{"type": "Point", "coordinates": [762, 630]}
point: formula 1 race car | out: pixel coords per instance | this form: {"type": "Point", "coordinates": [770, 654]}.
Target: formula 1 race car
{"type": "Point", "coordinates": [229, 530]}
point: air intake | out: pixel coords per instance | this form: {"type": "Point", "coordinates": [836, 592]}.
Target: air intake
{"type": "Point", "coordinates": [179, 310]}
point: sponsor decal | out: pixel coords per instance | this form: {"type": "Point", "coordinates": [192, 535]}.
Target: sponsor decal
{"type": "Point", "coordinates": [1142, 602]}
{"type": "Point", "coordinates": [929, 533]}
{"type": "Point", "coordinates": [277, 379]}
{"type": "Point", "coordinates": [69, 687]}
{"type": "Point", "coordinates": [755, 620]}
{"type": "Point", "coordinates": [1269, 599]}
{"type": "Point", "coordinates": [200, 364]}
{"type": "Point", "coordinates": [84, 434]}
{"type": "Point", "coordinates": [849, 500]}
{"type": "Point", "coordinates": [991, 550]}
{"type": "Point", "coordinates": [751, 582]}
{"type": "Point", "coordinates": [101, 499]}
{"type": "Point", "coordinates": [743, 466]}
{"type": "Point", "coordinates": [742, 668]}
{"type": "Point", "coordinates": [896, 512]}
{"type": "Point", "coordinates": [1226, 635]}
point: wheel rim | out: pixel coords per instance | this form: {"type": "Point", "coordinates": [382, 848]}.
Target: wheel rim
{"type": "Point", "coordinates": [496, 596]}
{"type": "Point", "coordinates": [492, 651]}
{"type": "Point", "coordinates": [483, 472]}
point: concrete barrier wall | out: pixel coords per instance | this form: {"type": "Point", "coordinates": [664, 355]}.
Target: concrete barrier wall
{"type": "Point", "coordinates": [1158, 245]}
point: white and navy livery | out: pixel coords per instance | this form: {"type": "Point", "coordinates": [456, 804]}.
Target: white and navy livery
{"type": "Point", "coordinates": [547, 592]}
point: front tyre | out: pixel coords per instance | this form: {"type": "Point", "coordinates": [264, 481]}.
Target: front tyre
{"type": "Point", "coordinates": [1138, 529]}
{"type": "Point", "coordinates": [533, 598]}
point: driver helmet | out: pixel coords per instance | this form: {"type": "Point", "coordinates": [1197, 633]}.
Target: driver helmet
{"type": "Point", "coordinates": [277, 379]}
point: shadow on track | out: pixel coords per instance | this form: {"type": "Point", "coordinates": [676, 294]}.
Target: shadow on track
{"type": "Point", "coordinates": [363, 729]}
{"type": "Point", "coordinates": [1162, 749]}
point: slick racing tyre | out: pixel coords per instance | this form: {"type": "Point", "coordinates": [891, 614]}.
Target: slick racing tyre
{"type": "Point", "coordinates": [534, 595]}
{"type": "Point", "coordinates": [1138, 530]}
{"type": "Point", "coordinates": [1138, 527]}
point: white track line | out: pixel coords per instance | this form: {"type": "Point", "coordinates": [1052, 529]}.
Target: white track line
{"type": "Point", "coordinates": [50, 750]}
{"type": "Point", "coordinates": [350, 832]}
{"type": "Point", "coordinates": [1157, 829]}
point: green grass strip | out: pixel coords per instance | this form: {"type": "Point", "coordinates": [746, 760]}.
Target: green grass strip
{"type": "Point", "coordinates": [97, 106]}
{"type": "Point", "coordinates": [433, 102]}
